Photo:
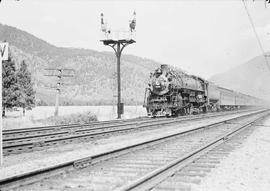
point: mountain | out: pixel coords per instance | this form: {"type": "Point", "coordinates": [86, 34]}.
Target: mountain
{"type": "Point", "coordinates": [252, 77]}
{"type": "Point", "coordinates": [94, 81]}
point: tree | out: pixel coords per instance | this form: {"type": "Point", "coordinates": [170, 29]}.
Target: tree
{"type": "Point", "coordinates": [27, 94]}
{"type": "Point", "coordinates": [10, 90]}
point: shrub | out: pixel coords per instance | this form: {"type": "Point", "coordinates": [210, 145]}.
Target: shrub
{"type": "Point", "coordinates": [78, 118]}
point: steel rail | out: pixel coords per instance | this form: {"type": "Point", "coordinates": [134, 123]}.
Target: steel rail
{"type": "Point", "coordinates": [24, 144]}
{"type": "Point", "coordinates": [86, 127]}
{"type": "Point", "coordinates": [151, 179]}
{"type": "Point", "coordinates": [58, 127]}
{"type": "Point", "coordinates": [17, 131]}
{"type": "Point", "coordinates": [82, 162]}
{"type": "Point", "coordinates": [79, 129]}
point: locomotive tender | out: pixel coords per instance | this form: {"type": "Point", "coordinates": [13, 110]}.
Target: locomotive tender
{"type": "Point", "coordinates": [172, 92]}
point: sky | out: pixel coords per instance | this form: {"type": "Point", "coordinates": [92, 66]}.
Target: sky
{"type": "Point", "coordinates": [201, 37]}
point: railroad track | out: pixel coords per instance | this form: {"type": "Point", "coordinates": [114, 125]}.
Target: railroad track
{"type": "Point", "coordinates": [134, 167]}
{"type": "Point", "coordinates": [25, 140]}
{"type": "Point", "coordinates": [180, 173]}
{"type": "Point", "coordinates": [190, 176]}
{"type": "Point", "coordinates": [32, 131]}
{"type": "Point", "coordinates": [20, 132]}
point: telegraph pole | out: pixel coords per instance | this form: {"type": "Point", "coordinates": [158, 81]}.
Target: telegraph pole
{"type": "Point", "coordinates": [60, 74]}
{"type": "Point", "coordinates": [118, 45]}
{"type": "Point", "coordinates": [58, 91]}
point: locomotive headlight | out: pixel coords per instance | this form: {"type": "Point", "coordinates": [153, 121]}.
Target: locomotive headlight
{"type": "Point", "coordinates": [157, 83]}
{"type": "Point", "coordinates": [160, 83]}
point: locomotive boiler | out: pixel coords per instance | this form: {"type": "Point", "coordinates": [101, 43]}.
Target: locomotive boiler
{"type": "Point", "coordinates": [172, 92]}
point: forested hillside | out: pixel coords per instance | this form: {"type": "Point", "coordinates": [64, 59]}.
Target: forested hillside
{"type": "Point", "coordinates": [95, 72]}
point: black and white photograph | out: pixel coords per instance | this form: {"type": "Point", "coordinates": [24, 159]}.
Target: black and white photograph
{"type": "Point", "coordinates": [135, 95]}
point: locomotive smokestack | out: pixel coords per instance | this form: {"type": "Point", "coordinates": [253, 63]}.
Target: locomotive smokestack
{"type": "Point", "coordinates": [164, 67]}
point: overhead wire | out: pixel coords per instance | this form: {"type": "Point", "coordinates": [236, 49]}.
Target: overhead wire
{"type": "Point", "coordinates": [256, 34]}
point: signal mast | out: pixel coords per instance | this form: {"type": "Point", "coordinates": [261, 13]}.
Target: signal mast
{"type": "Point", "coordinates": [118, 41]}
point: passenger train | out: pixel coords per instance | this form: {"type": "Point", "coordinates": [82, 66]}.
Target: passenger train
{"type": "Point", "coordinates": [172, 92]}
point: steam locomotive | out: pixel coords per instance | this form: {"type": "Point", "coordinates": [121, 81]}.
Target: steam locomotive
{"type": "Point", "coordinates": [172, 92]}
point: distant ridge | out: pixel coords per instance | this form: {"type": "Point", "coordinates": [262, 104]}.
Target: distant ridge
{"type": "Point", "coordinates": [95, 80]}
{"type": "Point", "coordinates": [252, 77]}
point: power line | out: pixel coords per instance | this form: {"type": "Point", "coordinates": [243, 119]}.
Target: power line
{"type": "Point", "coordinates": [256, 34]}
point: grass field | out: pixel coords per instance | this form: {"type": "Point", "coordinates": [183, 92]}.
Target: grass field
{"type": "Point", "coordinates": [16, 119]}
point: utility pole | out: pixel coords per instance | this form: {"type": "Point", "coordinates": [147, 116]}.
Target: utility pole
{"type": "Point", "coordinates": [118, 45]}
{"type": "Point", "coordinates": [59, 73]}
{"type": "Point", "coordinates": [3, 56]}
